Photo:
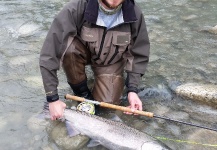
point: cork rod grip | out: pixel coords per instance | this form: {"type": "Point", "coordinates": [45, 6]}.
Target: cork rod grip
{"type": "Point", "coordinates": [112, 106]}
{"type": "Point", "coordinates": [126, 109]}
{"type": "Point", "coordinates": [76, 98]}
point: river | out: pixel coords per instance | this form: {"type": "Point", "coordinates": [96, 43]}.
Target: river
{"type": "Point", "coordinates": [183, 49]}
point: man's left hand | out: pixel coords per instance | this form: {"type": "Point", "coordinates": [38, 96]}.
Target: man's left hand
{"type": "Point", "coordinates": [135, 102]}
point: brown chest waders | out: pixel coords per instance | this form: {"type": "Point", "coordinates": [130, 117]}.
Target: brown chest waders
{"type": "Point", "coordinates": [108, 80]}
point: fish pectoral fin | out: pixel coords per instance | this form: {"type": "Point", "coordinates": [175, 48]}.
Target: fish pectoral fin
{"type": "Point", "coordinates": [115, 117]}
{"type": "Point", "coordinates": [93, 143]}
{"type": "Point", "coordinates": [71, 130]}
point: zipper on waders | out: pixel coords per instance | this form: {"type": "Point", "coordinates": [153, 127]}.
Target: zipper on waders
{"type": "Point", "coordinates": [101, 45]}
{"type": "Point", "coordinates": [113, 56]}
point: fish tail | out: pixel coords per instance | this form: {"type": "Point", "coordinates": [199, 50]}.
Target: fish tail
{"type": "Point", "coordinates": [45, 114]}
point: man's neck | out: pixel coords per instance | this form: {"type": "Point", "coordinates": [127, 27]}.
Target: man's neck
{"type": "Point", "coordinates": [106, 10]}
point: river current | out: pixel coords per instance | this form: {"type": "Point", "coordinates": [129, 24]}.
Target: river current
{"type": "Point", "coordinates": [183, 49]}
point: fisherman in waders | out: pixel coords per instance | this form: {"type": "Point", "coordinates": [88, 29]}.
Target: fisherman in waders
{"type": "Point", "coordinates": [109, 35]}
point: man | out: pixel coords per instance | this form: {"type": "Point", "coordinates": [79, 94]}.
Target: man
{"type": "Point", "coordinates": [109, 35]}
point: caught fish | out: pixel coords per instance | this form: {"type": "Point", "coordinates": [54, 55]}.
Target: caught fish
{"type": "Point", "coordinates": [111, 134]}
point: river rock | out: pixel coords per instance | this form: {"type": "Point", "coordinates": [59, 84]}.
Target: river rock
{"type": "Point", "coordinates": [200, 0]}
{"type": "Point", "coordinates": [202, 113]}
{"type": "Point", "coordinates": [175, 130]}
{"type": "Point", "coordinates": [28, 29]}
{"type": "Point", "coordinates": [209, 29]}
{"type": "Point", "coordinates": [190, 17]}
{"type": "Point", "coordinates": [3, 123]}
{"type": "Point", "coordinates": [206, 93]}
{"type": "Point", "coordinates": [36, 123]}
{"type": "Point", "coordinates": [213, 30]}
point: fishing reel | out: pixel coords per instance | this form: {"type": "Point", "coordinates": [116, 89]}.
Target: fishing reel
{"type": "Point", "coordinates": [86, 107]}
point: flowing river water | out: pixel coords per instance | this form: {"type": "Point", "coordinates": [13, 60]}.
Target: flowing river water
{"type": "Point", "coordinates": [183, 49]}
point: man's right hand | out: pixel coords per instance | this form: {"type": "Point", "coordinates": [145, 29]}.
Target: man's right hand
{"type": "Point", "coordinates": [56, 109]}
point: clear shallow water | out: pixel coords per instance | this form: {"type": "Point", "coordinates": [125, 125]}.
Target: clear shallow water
{"type": "Point", "coordinates": [179, 52]}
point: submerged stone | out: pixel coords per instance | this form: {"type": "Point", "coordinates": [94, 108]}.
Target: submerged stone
{"type": "Point", "coordinates": [206, 93]}
{"type": "Point", "coordinates": [213, 30]}
{"type": "Point", "coordinates": [36, 124]}
{"type": "Point", "coordinates": [209, 29]}
{"type": "Point", "coordinates": [28, 29]}
{"type": "Point", "coordinates": [190, 17]}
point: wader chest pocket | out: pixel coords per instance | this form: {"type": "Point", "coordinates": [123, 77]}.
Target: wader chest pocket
{"type": "Point", "coordinates": [122, 40]}
{"type": "Point", "coordinates": [89, 34]}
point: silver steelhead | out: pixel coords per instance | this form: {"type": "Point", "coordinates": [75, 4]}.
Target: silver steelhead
{"type": "Point", "coordinates": [111, 134]}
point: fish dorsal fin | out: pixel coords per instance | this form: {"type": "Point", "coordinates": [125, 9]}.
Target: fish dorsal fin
{"type": "Point", "coordinates": [71, 130]}
{"type": "Point", "coordinates": [93, 143]}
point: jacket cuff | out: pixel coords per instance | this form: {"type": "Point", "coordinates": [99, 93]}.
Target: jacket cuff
{"type": "Point", "coordinates": [132, 79]}
{"type": "Point", "coordinates": [52, 98]}
{"type": "Point", "coordinates": [132, 89]}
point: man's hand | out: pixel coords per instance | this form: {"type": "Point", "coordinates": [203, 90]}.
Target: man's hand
{"type": "Point", "coordinates": [56, 109]}
{"type": "Point", "coordinates": [135, 102]}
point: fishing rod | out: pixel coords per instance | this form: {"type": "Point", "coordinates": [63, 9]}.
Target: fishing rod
{"type": "Point", "coordinates": [126, 109]}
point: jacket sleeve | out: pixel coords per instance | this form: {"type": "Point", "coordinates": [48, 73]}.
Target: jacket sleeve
{"type": "Point", "coordinates": [138, 55]}
{"type": "Point", "coordinates": [65, 24]}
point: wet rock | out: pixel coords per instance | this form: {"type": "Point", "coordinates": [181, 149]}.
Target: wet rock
{"type": "Point", "coordinates": [202, 113]}
{"type": "Point", "coordinates": [3, 59]}
{"type": "Point", "coordinates": [206, 93]}
{"type": "Point", "coordinates": [22, 60]}
{"type": "Point", "coordinates": [28, 29]}
{"type": "Point", "coordinates": [175, 130]}
{"type": "Point", "coordinates": [180, 3]}
{"type": "Point", "coordinates": [34, 81]}
{"type": "Point", "coordinates": [209, 29]}
{"type": "Point", "coordinates": [154, 58]}
{"type": "Point", "coordinates": [3, 123]}
{"type": "Point", "coordinates": [35, 123]}
{"type": "Point", "coordinates": [159, 92]}
{"type": "Point", "coordinates": [59, 135]}
{"type": "Point", "coordinates": [152, 18]}
{"type": "Point", "coordinates": [179, 115]}
{"type": "Point", "coordinates": [47, 148]}
{"type": "Point", "coordinates": [211, 65]}
{"type": "Point", "coordinates": [200, 0]}
{"type": "Point", "coordinates": [202, 140]}
{"type": "Point", "coordinates": [139, 125]}
{"type": "Point", "coordinates": [178, 44]}
{"type": "Point", "coordinates": [213, 30]}
{"type": "Point", "coordinates": [190, 17]}
{"type": "Point", "coordinates": [160, 109]}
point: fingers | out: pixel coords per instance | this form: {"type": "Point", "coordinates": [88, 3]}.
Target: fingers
{"type": "Point", "coordinates": [129, 113]}
{"type": "Point", "coordinates": [64, 105]}
{"type": "Point", "coordinates": [140, 106]}
{"type": "Point", "coordinates": [132, 110]}
{"type": "Point", "coordinates": [56, 116]}
{"type": "Point", "coordinates": [135, 105]}
{"type": "Point", "coordinates": [57, 110]}
{"type": "Point", "coordinates": [135, 102]}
